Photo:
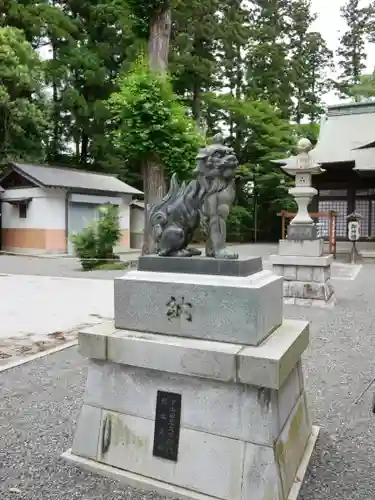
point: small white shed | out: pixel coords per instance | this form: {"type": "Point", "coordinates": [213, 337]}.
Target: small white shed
{"type": "Point", "coordinates": [41, 206]}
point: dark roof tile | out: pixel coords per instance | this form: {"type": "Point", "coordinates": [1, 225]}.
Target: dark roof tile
{"type": "Point", "coordinates": [71, 178]}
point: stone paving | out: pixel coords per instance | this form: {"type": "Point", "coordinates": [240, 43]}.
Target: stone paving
{"type": "Point", "coordinates": [39, 312]}
{"type": "Point", "coordinates": [40, 401]}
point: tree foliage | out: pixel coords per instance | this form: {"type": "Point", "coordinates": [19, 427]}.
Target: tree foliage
{"type": "Point", "coordinates": [192, 57]}
{"type": "Point", "coordinates": [23, 120]}
{"type": "Point", "coordinates": [268, 53]}
{"type": "Point", "coordinates": [364, 89]}
{"type": "Point", "coordinates": [151, 123]}
{"type": "Point", "coordinates": [352, 49]}
{"type": "Point", "coordinates": [310, 61]}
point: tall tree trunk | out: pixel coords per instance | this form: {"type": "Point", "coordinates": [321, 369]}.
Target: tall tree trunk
{"type": "Point", "coordinates": [196, 102]}
{"type": "Point", "coordinates": [158, 50]}
{"type": "Point", "coordinates": [154, 184]}
{"type": "Point", "coordinates": [159, 37]}
{"type": "Point", "coordinates": [238, 77]}
{"type": "Point", "coordinates": [4, 117]}
{"type": "Point", "coordinates": [84, 148]}
{"type": "Point", "coordinates": [77, 143]}
{"type": "Point", "coordinates": [197, 87]}
{"type": "Point", "coordinates": [55, 149]}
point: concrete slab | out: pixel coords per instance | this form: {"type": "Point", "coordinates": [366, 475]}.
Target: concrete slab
{"type": "Point", "coordinates": [267, 365]}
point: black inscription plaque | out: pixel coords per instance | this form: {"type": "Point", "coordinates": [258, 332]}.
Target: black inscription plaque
{"type": "Point", "coordinates": [167, 425]}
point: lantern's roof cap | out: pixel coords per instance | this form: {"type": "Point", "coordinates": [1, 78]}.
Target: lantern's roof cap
{"type": "Point", "coordinates": [355, 216]}
{"type": "Point", "coordinates": [303, 162]}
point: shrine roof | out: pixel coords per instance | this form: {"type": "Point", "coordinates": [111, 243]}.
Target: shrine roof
{"type": "Point", "coordinates": [347, 135]}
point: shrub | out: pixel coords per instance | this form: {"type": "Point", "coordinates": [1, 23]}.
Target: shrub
{"type": "Point", "coordinates": [108, 232]}
{"type": "Point", "coordinates": [84, 244]}
{"type": "Point", "coordinates": [239, 224]}
{"type": "Point", "coordinates": [94, 245]}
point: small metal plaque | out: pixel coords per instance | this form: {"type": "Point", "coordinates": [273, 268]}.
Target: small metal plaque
{"type": "Point", "coordinates": [167, 425]}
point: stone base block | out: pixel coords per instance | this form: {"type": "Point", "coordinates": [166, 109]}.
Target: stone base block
{"type": "Point", "coordinates": [201, 265]}
{"type": "Point", "coordinates": [309, 294]}
{"type": "Point", "coordinates": [137, 481]}
{"type": "Point", "coordinates": [302, 232]}
{"type": "Point", "coordinates": [311, 302]}
{"type": "Point", "coordinates": [244, 424]}
{"type": "Point", "coordinates": [301, 260]}
{"type": "Point", "coordinates": [306, 279]}
{"type": "Point", "coordinates": [222, 308]}
{"type": "Point", "coordinates": [308, 290]}
{"type": "Point", "coordinates": [306, 248]}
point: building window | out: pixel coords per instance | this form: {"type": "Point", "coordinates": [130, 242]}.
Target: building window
{"type": "Point", "coordinates": [22, 210]}
{"type": "Point", "coordinates": [372, 232]}
{"type": "Point", "coordinates": [363, 207]}
{"type": "Point", "coordinates": [339, 206]}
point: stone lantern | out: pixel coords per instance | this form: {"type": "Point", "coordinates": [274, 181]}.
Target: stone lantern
{"type": "Point", "coordinates": [302, 227]}
{"type": "Point", "coordinates": [300, 259]}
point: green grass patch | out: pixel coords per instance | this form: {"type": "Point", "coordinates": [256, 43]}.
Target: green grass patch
{"type": "Point", "coordinates": [110, 266]}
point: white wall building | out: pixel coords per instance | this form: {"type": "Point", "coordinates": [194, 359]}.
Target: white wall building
{"type": "Point", "coordinates": [137, 223]}
{"type": "Point", "coordinates": [42, 206]}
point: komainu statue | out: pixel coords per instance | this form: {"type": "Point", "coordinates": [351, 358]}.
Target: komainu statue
{"type": "Point", "coordinates": [205, 201]}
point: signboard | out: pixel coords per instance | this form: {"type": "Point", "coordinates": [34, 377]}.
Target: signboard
{"type": "Point", "coordinates": [354, 231]}
{"type": "Point", "coordinates": [167, 425]}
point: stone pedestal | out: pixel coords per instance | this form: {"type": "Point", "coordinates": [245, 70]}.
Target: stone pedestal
{"type": "Point", "coordinates": [203, 306]}
{"type": "Point", "coordinates": [306, 272]}
{"type": "Point", "coordinates": [211, 404]}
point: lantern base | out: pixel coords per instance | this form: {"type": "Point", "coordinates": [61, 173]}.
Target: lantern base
{"type": "Point", "coordinates": [306, 278]}
{"type": "Point", "coordinates": [300, 232]}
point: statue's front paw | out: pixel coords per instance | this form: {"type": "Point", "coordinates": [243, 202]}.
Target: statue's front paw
{"type": "Point", "coordinates": [194, 252]}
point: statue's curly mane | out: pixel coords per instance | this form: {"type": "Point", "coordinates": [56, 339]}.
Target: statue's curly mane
{"type": "Point", "coordinates": [210, 173]}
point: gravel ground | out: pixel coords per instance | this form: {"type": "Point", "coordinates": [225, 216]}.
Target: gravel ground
{"type": "Point", "coordinates": [40, 401]}
{"type": "Point", "coordinates": [66, 267]}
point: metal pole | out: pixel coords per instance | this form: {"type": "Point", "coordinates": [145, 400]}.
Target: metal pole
{"type": "Point", "coordinates": [254, 212]}
{"type": "Point", "coordinates": [353, 254]}
{"type": "Point", "coordinates": [256, 220]}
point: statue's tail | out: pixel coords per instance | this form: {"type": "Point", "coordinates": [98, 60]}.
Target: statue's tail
{"type": "Point", "coordinates": [174, 188]}
{"type": "Point", "coordinates": [158, 211]}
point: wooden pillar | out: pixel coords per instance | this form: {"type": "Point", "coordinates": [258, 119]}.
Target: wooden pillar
{"type": "Point", "coordinates": [334, 235]}
{"type": "Point", "coordinates": [330, 233]}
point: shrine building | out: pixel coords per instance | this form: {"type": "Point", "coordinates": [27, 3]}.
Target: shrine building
{"type": "Point", "coordinates": [346, 151]}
